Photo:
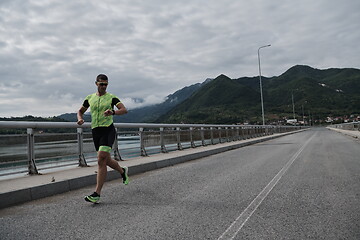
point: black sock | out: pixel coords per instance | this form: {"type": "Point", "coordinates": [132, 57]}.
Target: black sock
{"type": "Point", "coordinates": [95, 194]}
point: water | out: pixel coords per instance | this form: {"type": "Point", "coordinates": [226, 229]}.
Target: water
{"type": "Point", "coordinates": [13, 157]}
{"type": "Point", "coordinates": [61, 154]}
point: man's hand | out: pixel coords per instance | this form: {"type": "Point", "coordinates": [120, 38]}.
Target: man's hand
{"type": "Point", "coordinates": [108, 112]}
{"type": "Point", "coordinates": [80, 114]}
{"type": "Point", "coordinates": [80, 122]}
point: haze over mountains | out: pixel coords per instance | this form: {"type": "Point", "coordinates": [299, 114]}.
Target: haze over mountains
{"type": "Point", "coordinates": [320, 93]}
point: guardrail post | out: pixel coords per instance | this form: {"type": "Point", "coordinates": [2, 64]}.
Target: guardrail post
{"type": "Point", "coordinates": [192, 144]}
{"type": "Point", "coordinates": [117, 155]}
{"type": "Point", "coordinates": [162, 142]}
{"type": "Point", "coordinates": [202, 136]}
{"type": "Point", "coordinates": [142, 143]}
{"type": "Point", "coordinates": [230, 133]}
{"type": "Point", "coordinates": [227, 134]}
{"type": "Point", "coordinates": [178, 138]}
{"type": "Point", "coordinates": [212, 135]}
{"type": "Point", "coordinates": [31, 154]}
{"type": "Point", "coordinates": [219, 129]}
{"type": "Point", "coordinates": [80, 142]}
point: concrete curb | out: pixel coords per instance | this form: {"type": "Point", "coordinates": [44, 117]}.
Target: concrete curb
{"type": "Point", "coordinates": [27, 194]}
{"type": "Point", "coordinates": [351, 133]}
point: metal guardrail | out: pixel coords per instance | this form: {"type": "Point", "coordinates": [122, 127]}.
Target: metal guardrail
{"type": "Point", "coordinates": [353, 126]}
{"type": "Point", "coordinates": [161, 135]}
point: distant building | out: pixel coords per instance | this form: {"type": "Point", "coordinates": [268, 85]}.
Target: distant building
{"type": "Point", "coordinates": [329, 119]}
{"type": "Point", "coordinates": [291, 121]}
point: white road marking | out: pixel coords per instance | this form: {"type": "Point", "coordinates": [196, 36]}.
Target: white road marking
{"type": "Point", "coordinates": [240, 221]}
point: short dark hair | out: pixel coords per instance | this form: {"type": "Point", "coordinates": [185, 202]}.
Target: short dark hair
{"type": "Point", "coordinates": [101, 77]}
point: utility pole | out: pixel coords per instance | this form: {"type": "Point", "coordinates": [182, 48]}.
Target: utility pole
{"type": "Point", "coordinates": [302, 106]}
{"type": "Point", "coordinates": [261, 92]}
{"type": "Point", "coordinates": [292, 97]}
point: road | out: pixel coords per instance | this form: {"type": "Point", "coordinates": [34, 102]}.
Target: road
{"type": "Point", "coordinates": [301, 186]}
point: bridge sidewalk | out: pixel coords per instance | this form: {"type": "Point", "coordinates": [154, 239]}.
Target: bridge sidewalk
{"type": "Point", "coordinates": [27, 188]}
{"type": "Point", "coordinates": [351, 133]}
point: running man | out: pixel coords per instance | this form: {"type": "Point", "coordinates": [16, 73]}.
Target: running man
{"type": "Point", "coordinates": [102, 110]}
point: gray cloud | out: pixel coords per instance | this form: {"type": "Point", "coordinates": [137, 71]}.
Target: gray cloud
{"type": "Point", "coordinates": [51, 51]}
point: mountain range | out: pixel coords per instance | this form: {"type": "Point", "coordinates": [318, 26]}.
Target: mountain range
{"type": "Point", "coordinates": [314, 92]}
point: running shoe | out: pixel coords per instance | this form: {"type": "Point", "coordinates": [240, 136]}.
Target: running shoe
{"type": "Point", "coordinates": [94, 198]}
{"type": "Point", "coordinates": [125, 176]}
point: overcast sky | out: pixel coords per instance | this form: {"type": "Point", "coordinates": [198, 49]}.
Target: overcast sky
{"type": "Point", "coordinates": [52, 50]}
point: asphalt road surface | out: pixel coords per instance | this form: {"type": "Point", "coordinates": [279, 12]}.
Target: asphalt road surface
{"type": "Point", "coordinates": [301, 186]}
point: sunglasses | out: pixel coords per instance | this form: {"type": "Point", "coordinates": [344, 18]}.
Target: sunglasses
{"type": "Point", "coordinates": [102, 83]}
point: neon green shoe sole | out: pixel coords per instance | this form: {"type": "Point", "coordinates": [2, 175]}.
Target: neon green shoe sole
{"type": "Point", "coordinates": [92, 199]}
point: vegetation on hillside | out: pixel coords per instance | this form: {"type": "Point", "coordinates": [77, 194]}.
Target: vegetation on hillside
{"type": "Point", "coordinates": [317, 94]}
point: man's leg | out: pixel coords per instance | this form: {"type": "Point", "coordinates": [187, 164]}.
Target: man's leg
{"type": "Point", "coordinates": [122, 170]}
{"type": "Point", "coordinates": [103, 158]}
{"type": "Point", "coordinates": [115, 165]}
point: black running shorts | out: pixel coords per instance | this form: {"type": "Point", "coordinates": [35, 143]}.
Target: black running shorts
{"type": "Point", "coordinates": [104, 138]}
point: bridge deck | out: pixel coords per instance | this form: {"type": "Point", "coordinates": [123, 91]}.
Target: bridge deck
{"type": "Point", "coordinates": [300, 186]}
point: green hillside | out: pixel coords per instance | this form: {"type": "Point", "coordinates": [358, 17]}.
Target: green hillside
{"type": "Point", "coordinates": [320, 93]}
{"type": "Point", "coordinates": [222, 100]}
{"type": "Point", "coordinates": [328, 92]}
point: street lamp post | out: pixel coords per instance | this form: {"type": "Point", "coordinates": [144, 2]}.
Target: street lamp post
{"type": "Point", "coordinates": [302, 106]}
{"type": "Point", "coordinates": [261, 92]}
{"type": "Point", "coordinates": [293, 105]}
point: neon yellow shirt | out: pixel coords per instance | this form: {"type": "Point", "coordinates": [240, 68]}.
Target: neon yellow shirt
{"type": "Point", "coordinates": [98, 105]}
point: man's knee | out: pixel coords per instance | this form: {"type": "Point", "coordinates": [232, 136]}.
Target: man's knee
{"type": "Point", "coordinates": [103, 157]}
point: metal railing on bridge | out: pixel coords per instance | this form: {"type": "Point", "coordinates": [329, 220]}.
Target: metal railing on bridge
{"type": "Point", "coordinates": [354, 126]}
{"type": "Point", "coordinates": [145, 139]}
